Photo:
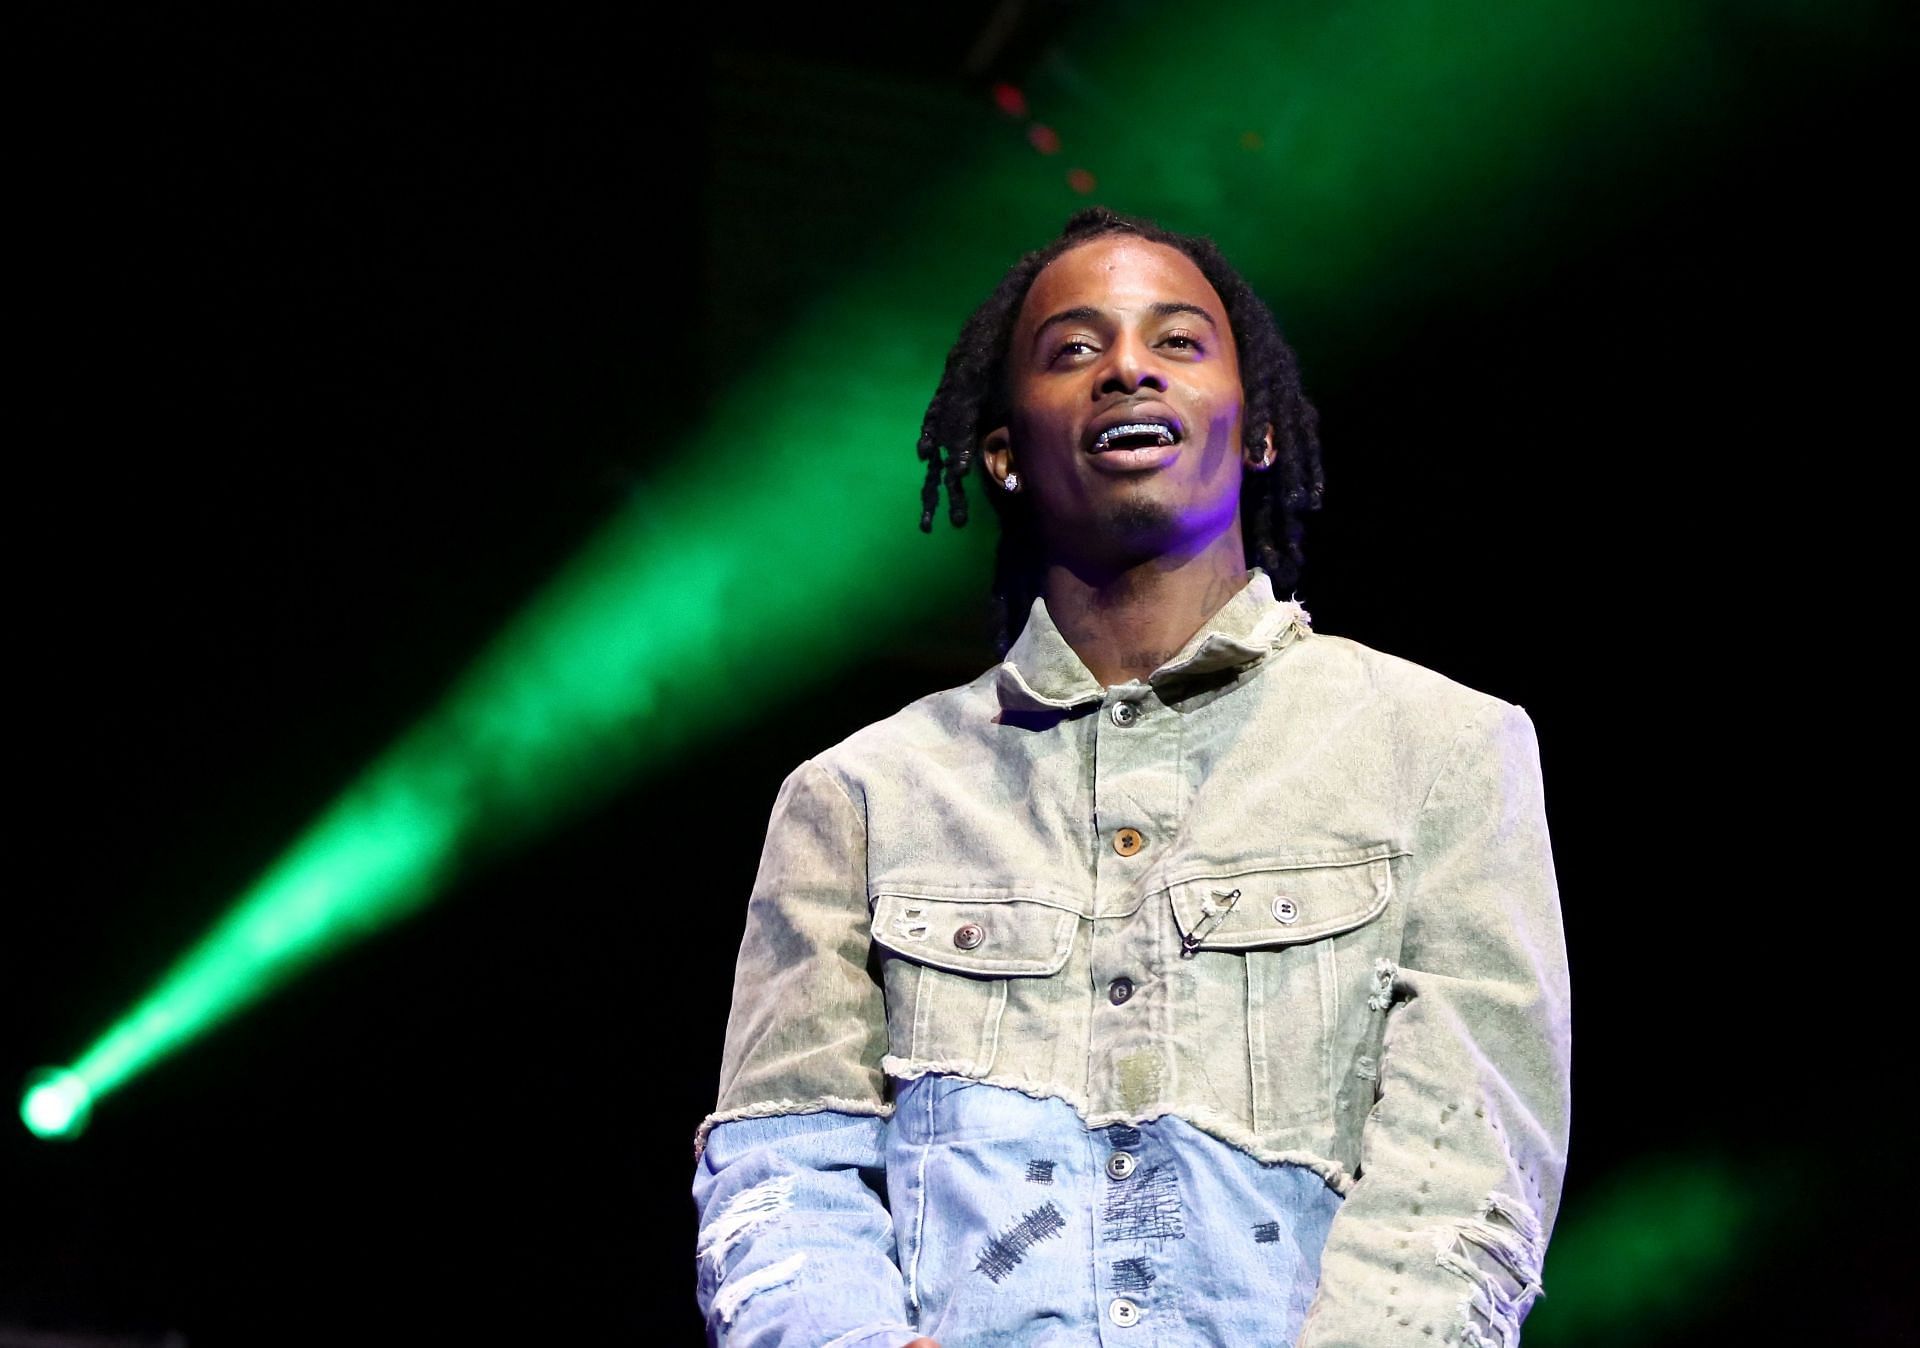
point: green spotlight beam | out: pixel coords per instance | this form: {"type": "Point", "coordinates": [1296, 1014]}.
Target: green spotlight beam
{"type": "Point", "coordinates": [717, 593]}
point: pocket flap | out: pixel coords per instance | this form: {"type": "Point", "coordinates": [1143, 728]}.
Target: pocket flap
{"type": "Point", "coordinates": [1285, 902]}
{"type": "Point", "coordinates": [990, 936]}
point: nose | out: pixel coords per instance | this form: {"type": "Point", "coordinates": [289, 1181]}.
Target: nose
{"type": "Point", "coordinates": [1130, 365]}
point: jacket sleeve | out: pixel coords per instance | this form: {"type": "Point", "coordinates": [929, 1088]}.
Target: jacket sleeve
{"type": "Point", "coordinates": [795, 1246]}
{"type": "Point", "coordinates": [1443, 1235]}
{"type": "Point", "coordinates": [796, 1242]}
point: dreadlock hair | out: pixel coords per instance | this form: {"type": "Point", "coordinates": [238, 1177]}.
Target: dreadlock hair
{"type": "Point", "coordinates": [972, 399]}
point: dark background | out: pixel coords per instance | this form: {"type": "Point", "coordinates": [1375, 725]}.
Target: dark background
{"type": "Point", "coordinates": [336, 333]}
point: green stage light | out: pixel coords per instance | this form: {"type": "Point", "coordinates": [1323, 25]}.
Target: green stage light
{"type": "Point", "coordinates": [1654, 1244]}
{"type": "Point", "coordinates": [57, 1104]}
{"type": "Point", "coordinates": [780, 543]}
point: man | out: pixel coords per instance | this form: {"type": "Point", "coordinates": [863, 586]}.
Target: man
{"type": "Point", "coordinates": [1188, 977]}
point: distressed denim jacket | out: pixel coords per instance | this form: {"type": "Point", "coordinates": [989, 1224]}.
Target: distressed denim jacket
{"type": "Point", "coordinates": [1288, 892]}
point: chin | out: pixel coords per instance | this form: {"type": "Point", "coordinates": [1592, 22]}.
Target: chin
{"type": "Point", "coordinates": [1141, 519]}
{"type": "Point", "coordinates": [1140, 528]}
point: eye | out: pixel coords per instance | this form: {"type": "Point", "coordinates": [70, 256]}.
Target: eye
{"type": "Point", "coordinates": [1184, 341]}
{"type": "Point", "coordinates": [1068, 346]}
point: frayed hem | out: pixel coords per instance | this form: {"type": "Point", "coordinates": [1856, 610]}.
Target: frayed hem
{"type": "Point", "coordinates": [767, 1109]}
{"type": "Point", "coordinates": [1335, 1175]}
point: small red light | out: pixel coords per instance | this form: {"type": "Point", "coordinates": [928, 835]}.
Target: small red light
{"type": "Point", "coordinates": [1010, 100]}
{"type": "Point", "coordinates": [1045, 139]}
{"type": "Point", "coordinates": [1082, 181]}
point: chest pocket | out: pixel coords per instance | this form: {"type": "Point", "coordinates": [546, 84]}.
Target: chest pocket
{"type": "Point", "coordinates": [1305, 937]}
{"type": "Point", "coordinates": [948, 964]}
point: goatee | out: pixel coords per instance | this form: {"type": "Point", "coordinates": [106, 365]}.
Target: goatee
{"type": "Point", "coordinates": [1141, 519]}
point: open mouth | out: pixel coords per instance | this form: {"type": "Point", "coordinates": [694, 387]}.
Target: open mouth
{"type": "Point", "coordinates": [1135, 435]}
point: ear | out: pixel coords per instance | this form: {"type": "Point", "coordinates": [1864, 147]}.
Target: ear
{"type": "Point", "coordinates": [996, 453]}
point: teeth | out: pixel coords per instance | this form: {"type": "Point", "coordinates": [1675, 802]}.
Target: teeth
{"type": "Point", "coordinates": [1112, 433]}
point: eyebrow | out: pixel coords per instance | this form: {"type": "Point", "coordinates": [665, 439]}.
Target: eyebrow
{"type": "Point", "coordinates": [1086, 313]}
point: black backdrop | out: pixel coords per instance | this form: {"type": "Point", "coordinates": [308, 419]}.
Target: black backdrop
{"type": "Point", "coordinates": [334, 334]}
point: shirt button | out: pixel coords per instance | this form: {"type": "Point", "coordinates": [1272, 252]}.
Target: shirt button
{"type": "Point", "coordinates": [1128, 841]}
{"type": "Point", "coordinates": [969, 935]}
{"type": "Point", "coordinates": [1119, 990]}
{"type": "Point", "coordinates": [1124, 713]}
{"type": "Point", "coordinates": [1120, 1164]}
{"type": "Point", "coordinates": [1123, 1312]}
{"type": "Point", "coordinates": [1285, 911]}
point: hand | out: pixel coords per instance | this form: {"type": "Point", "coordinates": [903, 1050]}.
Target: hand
{"type": "Point", "coordinates": [924, 1343]}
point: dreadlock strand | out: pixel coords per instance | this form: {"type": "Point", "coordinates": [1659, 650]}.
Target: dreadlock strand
{"type": "Point", "coordinates": [930, 486]}
{"type": "Point", "coordinates": [957, 464]}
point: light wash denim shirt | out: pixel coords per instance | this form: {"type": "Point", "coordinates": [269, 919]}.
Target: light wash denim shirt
{"type": "Point", "coordinates": [1279, 923]}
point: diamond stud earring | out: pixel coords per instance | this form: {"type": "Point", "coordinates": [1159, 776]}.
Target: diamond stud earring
{"type": "Point", "coordinates": [1012, 483]}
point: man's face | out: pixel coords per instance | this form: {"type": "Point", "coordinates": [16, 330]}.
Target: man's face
{"type": "Point", "coordinates": [1123, 333]}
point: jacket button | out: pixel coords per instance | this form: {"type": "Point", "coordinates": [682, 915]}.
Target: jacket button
{"type": "Point", "coordinates": [1285, 911]}
{"type": "Point", "coordinates": [1119, 990]}
{"type": "Point", "coordinates": [1120, 1164]}
{"type": "Point", "coordinates": [1123, 1312]}
{"type": "Point", "coordinates": [1124, 713]}
{"type": "Point", "coordinates": [1128, 841]}
{"type": "Point", "coordinates": [969, 935]}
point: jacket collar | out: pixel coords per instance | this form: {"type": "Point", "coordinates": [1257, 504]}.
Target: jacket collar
{"type": "Point", "coordinates": [1042, 671]}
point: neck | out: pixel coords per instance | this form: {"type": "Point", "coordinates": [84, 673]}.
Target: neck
{"type": "Point", "coordinates": [1125, 622]}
